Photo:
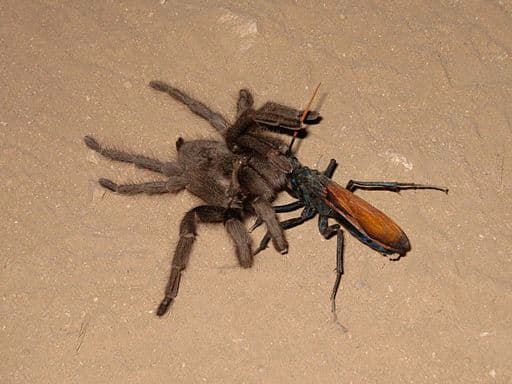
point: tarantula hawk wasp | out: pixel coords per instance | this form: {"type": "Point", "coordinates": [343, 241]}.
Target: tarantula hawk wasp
{"type": "Point", "coordinates": [232, 182]}
{"type": "Point", "coordinates": [319, 195]}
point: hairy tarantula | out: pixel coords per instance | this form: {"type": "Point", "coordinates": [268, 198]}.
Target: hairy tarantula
{"type": "Point", "coordinates": [239, 177]}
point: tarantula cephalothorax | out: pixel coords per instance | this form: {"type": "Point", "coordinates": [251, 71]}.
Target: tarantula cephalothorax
{"type": "Point", "coordinates": [233, 182]}
{"type": "Point", "coordinates": [262, 163]}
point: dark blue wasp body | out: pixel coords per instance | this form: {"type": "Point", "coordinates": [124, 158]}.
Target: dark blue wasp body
{"type": "Point", "coordinates": [319, 195]}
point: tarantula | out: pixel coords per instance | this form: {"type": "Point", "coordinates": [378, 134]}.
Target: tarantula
{"type": "Point", "coordinates": [239, 177]}
{"type": "Point", "coordinates": [261, 161]}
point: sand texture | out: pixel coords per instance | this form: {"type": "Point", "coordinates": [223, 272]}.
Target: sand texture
{"type": "Point", "coordinates": [411, 91]}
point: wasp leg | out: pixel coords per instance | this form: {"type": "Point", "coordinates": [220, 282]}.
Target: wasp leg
{"type": "Point", "coordinates": [339, 270]}
{"type": "Point", "coordinates": [288, 207]}
{"type": "Point", "coordinates": [392, 186]}
{"type": "Point", "coordinates": [279, 209]}
{"type": "Point", "coordinates": [329, 171]}
{"type": "Point", "coordinates": [328, 231]}
{"type": "Point", "coordinates": [287, 224]}
{"type": "Point", "coordinates": [306, 215]}
{"type": "Point", "coordinates": [240, 237]}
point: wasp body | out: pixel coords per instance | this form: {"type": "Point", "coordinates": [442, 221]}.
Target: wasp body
{"type": "Point", "coordinates": [318, 194]}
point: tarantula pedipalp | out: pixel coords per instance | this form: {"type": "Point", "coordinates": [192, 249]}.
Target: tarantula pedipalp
{"type": "Point", "coordinates": [209, 170]}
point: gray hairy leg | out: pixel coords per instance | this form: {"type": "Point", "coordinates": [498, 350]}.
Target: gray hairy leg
{"type": "Point", "coordinates": [188, 226]}
{"type": "Point", "coordinates": [174, 184]}
{"type": "Point", "coordinates": [140, 161]}
{"type": "Point", "coordinates": [195, 106]}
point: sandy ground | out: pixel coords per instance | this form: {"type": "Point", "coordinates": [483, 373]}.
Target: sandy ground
{"type": "Point", "coordinates": [412, 92]}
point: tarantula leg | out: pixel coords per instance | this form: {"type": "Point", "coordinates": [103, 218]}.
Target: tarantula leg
{"type": "Point", "coordinates": [287, 224]}
{"type": "Point", "coordinates": [216, 120]}
{"type": "Point", "coordinates": [188, 226]}
{"type": "Point", "coordinates": [237, 136]}
{"type": "Point", "coordinates": [256, 144]}
{"type": "Point", "coordinates": [140, 161]}
{"type": "Point", "coordinates": [264, 210]}
{"type": "Point", "coordinates": [242, 240]}
{"type": "Point", "coordinates": [151, 188]}
{"type": "Point", "coordinates": [306, 215]}
{"type": "Point", "coordinates": [258, 186]}
{"type": "Point", "coordinates": [234, 188]}
{"type": "Point", "coordinates": [278, 115]}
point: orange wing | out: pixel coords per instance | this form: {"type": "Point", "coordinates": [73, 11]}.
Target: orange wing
{"type": "Point", "coordinates": [368, 219]}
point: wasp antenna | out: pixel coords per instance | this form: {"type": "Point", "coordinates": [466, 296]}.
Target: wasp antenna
{"type": "Point", "coordinates": [303, 117]}
{"type": "Point", "coordinates": [306, 110]}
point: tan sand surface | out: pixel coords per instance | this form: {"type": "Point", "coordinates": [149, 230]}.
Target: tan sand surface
{"type": "Point", "coordinates": [411, 91]}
